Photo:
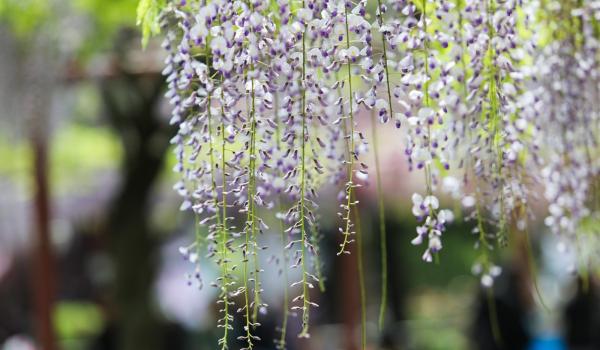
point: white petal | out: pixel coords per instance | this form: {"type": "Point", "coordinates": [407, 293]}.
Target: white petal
{"type": "Point", "coordinates": [426, 112]}
{"type": "Point", "coordinates": [431, 201]}
{"type": "Point", "coordinates": [446, 216]}
{"type": "Point", "coordinates": [413, 121]}
{"type": "Point", "coordinates": [468, 201]}
{"type": "Point", "coordinates": [416, 210]}
{"type": "Point", "coordinates": [417, 240]}
{"type": "Point", "coordinates": [427, 256]}
{"type": "Point", "coordinates": [495, 271]}
{"type": "Point", "coordinates": [435, 243]}
{"type": "Point", "coordinates": [487, 281]}
{"type": "Point", "coordinates": [185, 205]}
{"type": "Point", "coordinates": [417, 199]}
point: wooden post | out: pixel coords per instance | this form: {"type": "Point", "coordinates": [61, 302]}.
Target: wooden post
{"type": "Point", "coordinates": [44, 272]}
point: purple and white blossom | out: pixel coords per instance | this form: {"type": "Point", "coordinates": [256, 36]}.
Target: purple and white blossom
{"type": "Point", "coordinates": [267, 97]}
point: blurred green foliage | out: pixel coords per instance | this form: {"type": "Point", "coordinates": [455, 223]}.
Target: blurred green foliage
{"type": "Point", "coordinates": [76, 323]}
{"type": "Point", "coordinates": [15, 159]}
{"type": "Point", "coordinates": [106, 18]}
{"type": "Point", "coordinates": [23, 16]}
{"type": "Point", "coordinates": [453, 261]}
{"type": "Point", "coordinates": [78, 153]}
{"type": "Point", "coordinates": [439, 294]}
{"type": "Point", "coordinates": [103, 19]}
{"type": "Point", "coordinates": [74, 319]}
{"type": "Point", "coordinates": [148, 12]}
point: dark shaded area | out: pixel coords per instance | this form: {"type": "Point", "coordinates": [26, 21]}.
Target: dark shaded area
{"type": "Point", "coordinates": [131, 101]}
{"type": "Point", "coordinates": [15, 300]}
{"type": "Point", "coordinates": [508, 311]}
{"type": "Point", "coordinates": [397, 235]}
{"type": "Point", "coordinates": [582, 318]}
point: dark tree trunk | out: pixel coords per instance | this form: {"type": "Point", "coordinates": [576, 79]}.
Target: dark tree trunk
{"type": "Point", "coordinates": [131, 101]}
{"type": "Point", "coordinates": [44, 276]}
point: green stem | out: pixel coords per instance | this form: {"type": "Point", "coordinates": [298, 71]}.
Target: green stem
{"type": "Point", "coordinates": [495, 119]}
{"type": "Point", "coordinates": [303, 240]}
{"type": "Point", "coordinates": [350, 164]}
{"type": "Point", "coordinates": [494, 317]}
{"type": "Point", "coordinates": [284, 242]}
{"type": "Point", "coordinates": [316, 239]}
{"type": "Point", "coordinates": [533, 269]}
{"type": "Point", "coordinates": [381, 208]}
{"type": "Point", "coordinates": [465, 89]}
{"type": "Point", "coordinates": [428, 174]}
{"type": "Point", "coordinates": [286, 302]}
{"type": "Point", "coordinates": [385, 62]}
{"type": "Point", "coordinates": [220, 225]}
{"type": "Point", "coordinates": [225, 272]}
{"type": "Point", "coordinates": [224, 224]}
{"type": "Point", "coordinates": [382, 230]}
{"type": "Point", "coordinates": [252, 193]}
{"type": "Point", "coordinates": [253, 157]}
{"type": "Point", "coordinates": [361, 280]}
{"type": "Point", "coordinates": [583, 266]}
{"type": "Point", "coordinates": [249, 236]}
{"type": "Point", "coordinates": [248, 324]}
{"type": "Point", "coordinates": [426, 49]}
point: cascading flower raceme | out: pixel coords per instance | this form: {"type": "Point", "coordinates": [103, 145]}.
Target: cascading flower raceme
{"type": "Point", "coordinates": [569, 122]}
{"type": "Point", "coordinates": [493, 99]}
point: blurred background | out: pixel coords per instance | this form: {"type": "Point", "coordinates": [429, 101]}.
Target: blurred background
{"type": "Point", "coordinates": [90, 226]}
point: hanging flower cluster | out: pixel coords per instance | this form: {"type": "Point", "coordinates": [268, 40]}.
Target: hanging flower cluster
{"type": "Point", "coordinates": [569, 118]}
{"type": "Point", "coordinates": [494, 99]}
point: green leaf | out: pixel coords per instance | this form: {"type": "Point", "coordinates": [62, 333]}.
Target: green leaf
{"type": "Point", "coordinates": [74, 319]}
{"type": "Point", "coordinates": [24, 16]}
{"type": "Point", "coordinates": [148, 12]}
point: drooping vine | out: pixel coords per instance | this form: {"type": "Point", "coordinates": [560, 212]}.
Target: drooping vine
{"type": "Point", "coordinates": [269, 97]}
